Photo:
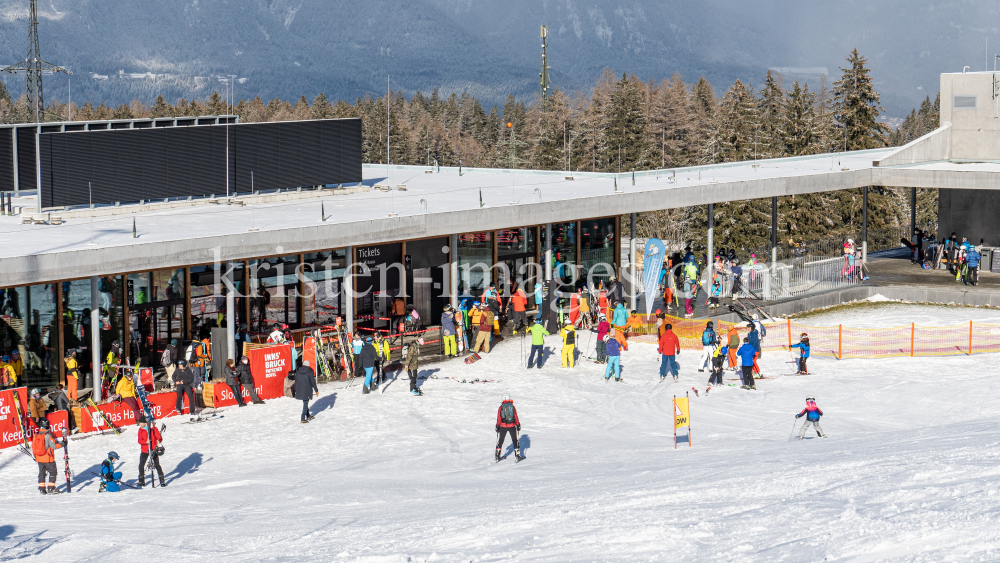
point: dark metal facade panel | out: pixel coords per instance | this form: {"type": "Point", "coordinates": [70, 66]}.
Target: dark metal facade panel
{"type": "Point", "coordinates": [6, 161]}
{"type": "Point", "coordinates": [156, 163]}
{"type": "Point", "coordinates": [26, 158]}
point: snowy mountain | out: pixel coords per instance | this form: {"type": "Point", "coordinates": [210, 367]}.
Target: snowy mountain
{"type": "Point", "coordinates": [119, 50]}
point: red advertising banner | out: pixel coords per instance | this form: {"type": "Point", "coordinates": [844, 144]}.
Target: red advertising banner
{"type": "Point", "coordinates": [146, 378]}
{"type": "Point", "coordinates": [309, 352]}
{"type": "Point", "coordinates": [123, 413]}
{"type": "Point", "coordinates": [269, 367]}
{"type": "Point", "coordinates": [10, 426]}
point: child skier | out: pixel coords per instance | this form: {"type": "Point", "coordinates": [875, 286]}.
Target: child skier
{"type": "Point", "coordinates": [803, 344]}
{"type": "Point", "coordinates": [718, 360]}
{"type": "Point", "coordinates": [508, 423]}
{"type": "Point", "coordinates": [110, 477]}
{"type": "Point", "coordinates": [812, 414]}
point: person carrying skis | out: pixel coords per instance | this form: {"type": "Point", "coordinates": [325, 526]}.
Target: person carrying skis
{"type": "Point", "coordinates": [812, 413]}
{"type": "Point", "coordinates": [110, 477]}
{"type": "Point", "coordinates": [803, 344]}
{"type": "Point", "coordinates": [412, 353]}
{"type": "Point", "coordinates": [602, 330]}
{"type": "Point", "coordinates": [37, 407]}
{"type": "Point", "coordinates": [538, 334]}
{"type": "Point", "coordinates": [508, 423]}
{"type": "Point", "coordinates": [746, 354]}
{"type": "Point", "coordinates": [305, 385]}
{"type": "Point", "coordinates": [669, 347]}
{"type": "Point", "coordinates": [245, 380]}
{"type": "Point", "coordinates": [568, 335]}
{"type": "Point", "coordinates": [43, 445]}
{"type": "Point", "coordinates": [183, 381]}
{"type": "Point", "coordinates": [149, 446]}
{"type": "Point", "coordinates": [448, 332]}
{"type": "Point", "coordinates": [708, 341]}
{"type": "Point", "coordinates": [614, 358]}
{"type": "Point", "coordinates": [368, 356]}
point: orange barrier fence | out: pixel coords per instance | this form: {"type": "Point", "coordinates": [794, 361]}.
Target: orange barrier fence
{"type": "Point", "coordinates": [838, 341]}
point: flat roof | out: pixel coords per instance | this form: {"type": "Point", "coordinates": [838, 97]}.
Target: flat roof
{"type": "Point", "coordinates": [204, 233]}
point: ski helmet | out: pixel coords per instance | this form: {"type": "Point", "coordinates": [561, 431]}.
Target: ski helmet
{"type": "Point", "coordinates": [5, 358]}
{"type": "Point", "coordinates": [142, 420]}
{"type": "Point", "coordinates": [43, 424]}
{"type": "Point", "coordinates": [113, 455]}
{"type": "Point", "coordinates": [810, 398]}
{"type": "Point", "coordinates": [709, 325]}
{"type": "Point", "coordinates": [803, 336]}
{"type": "Point", "coordinates": [505, 397]}
{"type": "Point", "coordinates": [36, 391]}
{"type": "Point", "coordinates": [182, 363]}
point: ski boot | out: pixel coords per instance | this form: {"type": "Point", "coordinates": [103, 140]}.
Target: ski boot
{"type": "Point", "coordinates": [52, 490]}
{"type": "Point", "coordinates": [163, 482]}
{"type": "Point", "coordinates": [142, 482]}
{"type": "Point", "coordinates": [310, 417]}
{"type": "Point", "coordinates": [676, 378]}
{"type": "Point", "coordinates": [497, 459]}
{"type": "Point", "coordinates": [365, 390]}
{"type": "Point", "coordinates": [517, 456]}
{"type": "Point", "coordinates": [102, 488]}
{"type": "Point", "coordinates": [42, 490]}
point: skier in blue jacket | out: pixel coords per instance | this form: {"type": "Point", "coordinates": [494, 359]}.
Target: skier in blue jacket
{"type": "Point", "coordinates": [972, 258]}
{"type": "Point", "coordinates": [110, 477]}
{"type": "Point", "coordinates": [746, 354]}
{"type": "Point", "coordinates": [812, 413]}
{"type": "Point", "coordinates": [708, 340]}
{"type": "Point", "coordinates": [538, 301]}
{"type": "Point", "coordinates": [803, 344]}
{"type": "Point", "coordinates": [614, 358]}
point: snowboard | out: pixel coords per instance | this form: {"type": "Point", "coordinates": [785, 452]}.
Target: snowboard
{"type": "Point", "coordinates": [473, 358]}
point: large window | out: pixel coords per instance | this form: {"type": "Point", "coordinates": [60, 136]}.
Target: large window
{"type": "Point", "coordinates": [29, 326]}
{"type": "Point", "coordinates": [563, 251]}
{"type": "Point", "coordinates": [322, 297]}
{"type": "Point", "coordinates": [275, 292]}
{"type": "Point", "coordinates": [157, 315]}
{"type": "Point", "coordinates": [597, 249]}
{"type": "Point", "coordinates": [475, 260]}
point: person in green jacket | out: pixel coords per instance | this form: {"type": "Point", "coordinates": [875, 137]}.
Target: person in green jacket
{"type": "Point", "coordinates": [538, 334]}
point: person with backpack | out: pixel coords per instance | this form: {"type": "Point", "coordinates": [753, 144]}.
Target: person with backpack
{"type": "Point", "coordinates": [43, 445]}
{"type": "Point", "coordinates": [803, 345]}
{"type": "Point", "coordinates": [614, 352]}
{"type": "Point", "coordinates": [538, 334]}
{"type": "Point", "coordinates": [746, 354]}
{"type": "Point", "coordinates": [305, 386]}
{"type": "Point", "coordinates": [448, 332]}
{"type": "Point", "coordinates": [149, 446]}
{"type": "Point", "coordinates": [169, 358]}
{"type": "Point", "coordinates": [508, 423]}
{"type": "Point", "coordinates": [183, 383]}
{"type": "Point", "coordinates": [602, 330]}
{"type": "Point", "coordinates": [812, 413]}
{"type": "Point", "coordinates": [568, 335]}
{"type": "Point", "coordinates": [669, 347]}
{"type": "Point", "coordinates": [109, 477]}
{"type": "Point", "coordinates": [412, 353]}
{"type": "Point", "coordinates": [708, 340]}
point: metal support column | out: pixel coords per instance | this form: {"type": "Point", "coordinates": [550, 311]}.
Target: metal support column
{"type": "Point", "coordinates": [13, 133]}
{"type": "Point", "coordinates": [548, 251]}
{"type": "Point", "coordinates": [38, 166]}
{"type": "Point", "coordinates": [631, 264]}
{"type": "Point", "coordinates": [864, 224]}
{"type": "Point", "coordinates": [231, 312]}
{"type": "Point", "coordinates": [913, 214]}
{"type": "Point", "coordinates": [774, 231]}
{"type": "Point", "coordinates": [95, 339]}
{"type": "Point", "coordinates": [348, 288]}
{"type": "Point", "coordinates": [710, 255]}
{"type": "Point", "coordinates": [453, 260]}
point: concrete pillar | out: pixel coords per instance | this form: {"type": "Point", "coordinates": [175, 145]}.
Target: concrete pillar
{"type": "Point", "coordinates": [864, 225]}
{"type": "Point", "coordinates": [710, 251]}
{"type": "Point", "coordinates": [913, 214]}
{"type": "Point", "coordinates": [95, 338]}
{"type": "Point", "coordinates": [548, 251]}
{"type": "Point", "coordinates": [631, 262]}
{"type": "Point", "coordinates": [348, 289]}
{"type": "Point", "coordinates": [453, 258]}
{"type": "Point", "coordinates": [231, 313]}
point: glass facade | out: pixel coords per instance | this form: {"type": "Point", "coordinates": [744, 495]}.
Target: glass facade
{"type": "Point", "coordinates": [475, 260]}
{"type": "Point", "coordinates": [322, 296]}
{"type": "Point", "coordinates": [274, 297]}
{"type": "Point", "coordinates": [517, 257]}
{"type": "Point", "coordinates": [563, 250]}
{"type": "Point", "coordinates": [157, 314]}
{"type": "Point", "coordinates": [597, 249]}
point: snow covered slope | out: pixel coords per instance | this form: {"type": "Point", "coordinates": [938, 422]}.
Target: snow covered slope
{"type": "Point", "coordinates": [909, 472]}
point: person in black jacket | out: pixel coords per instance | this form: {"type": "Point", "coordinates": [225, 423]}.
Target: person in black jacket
{"type": "Point", "coordinates": [305, 384]}
{"type": "Point", "coordinates": [245, 379]}
{"type": "Point", "coordinates": [183, 381]}
{"type": "Point", "coordinates": [233, 381]}
{"type": "Point", "coordinates": [368, 356]}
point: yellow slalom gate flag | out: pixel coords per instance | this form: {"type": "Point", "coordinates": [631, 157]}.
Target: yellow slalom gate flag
{"type": "Point", "coordinates": [682, 415]}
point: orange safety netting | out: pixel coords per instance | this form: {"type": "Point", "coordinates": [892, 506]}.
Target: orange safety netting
{"type": "Point", "coordinates": [838, 341]}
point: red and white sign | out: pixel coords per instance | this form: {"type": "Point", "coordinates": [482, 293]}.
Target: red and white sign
{"type": "Point", "coordinates": [122, 414]}
{"type": "Point", "coordinates": [11, 428]}
{"type": "Point", "coordinates": [269, 367]}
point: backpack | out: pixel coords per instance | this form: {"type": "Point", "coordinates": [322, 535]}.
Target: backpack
{"type": "Point", "coordinates": [507, 413]}
{"type": "Point", "coordinates": [763, 330]}
{"type": "Point", "coordinates": [708, 338]}
{"type": "Point", "coordinates": [570, 337]}
{"type": "Point", "coordinates": [165, 359]}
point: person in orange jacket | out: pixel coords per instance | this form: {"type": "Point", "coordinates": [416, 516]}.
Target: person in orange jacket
{"type": "Point", "coordinates": [43, 445]}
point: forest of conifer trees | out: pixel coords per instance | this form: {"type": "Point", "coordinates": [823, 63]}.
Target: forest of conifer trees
{"type": "Point", "coordinates": [621, 124]}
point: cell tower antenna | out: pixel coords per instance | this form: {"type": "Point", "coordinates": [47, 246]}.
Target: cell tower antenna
{"type": "Point", "coordinates": [544, 74]}
{"type": "Point", "coordinates": [33, 66]}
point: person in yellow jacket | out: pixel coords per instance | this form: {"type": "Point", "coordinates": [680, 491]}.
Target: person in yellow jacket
{"type": "Point", "coordinates": [72, 376]}
{"type": "Point", "coordinates": [16, 364]}
{"type": "Point", "coordinates": [568, 334]}
{"type": "Point", "coordinates": [7, 376]}
{"type": "Point", "coordinates": [126, 391]}
{"type": "Point", "coordinates": [475, 319]}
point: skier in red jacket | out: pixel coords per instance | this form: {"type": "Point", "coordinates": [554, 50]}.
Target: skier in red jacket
{"type": "Point", "coordinates": [149, 436]}
{"type": "Point", "coordinates": [507, 423]}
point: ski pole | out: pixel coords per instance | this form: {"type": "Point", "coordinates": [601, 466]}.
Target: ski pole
{"type": "Point", "coordinates": [794, 421]}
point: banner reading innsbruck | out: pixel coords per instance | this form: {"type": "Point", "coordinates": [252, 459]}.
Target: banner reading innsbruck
{"type": "Point", "coordinates": [651, 264]}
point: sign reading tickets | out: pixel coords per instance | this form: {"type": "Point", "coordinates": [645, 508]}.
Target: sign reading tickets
{"type": "Point", "coordinates": [682, 417]}
{"type": "Point", "coordinates": [269, 367]}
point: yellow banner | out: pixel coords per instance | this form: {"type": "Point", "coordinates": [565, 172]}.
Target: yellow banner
{"type": "Point", "coordinates": [682, 416]}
